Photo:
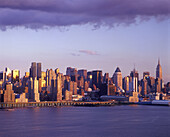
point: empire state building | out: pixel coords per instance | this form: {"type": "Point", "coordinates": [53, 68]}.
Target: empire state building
{"type": "Point", "coordinates": [159, 71]}
{"type": "Point", "coordinates": [158, 81]}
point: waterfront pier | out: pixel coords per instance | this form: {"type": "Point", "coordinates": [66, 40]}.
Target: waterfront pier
{"type": "Point", "coordinates": [55, 104]}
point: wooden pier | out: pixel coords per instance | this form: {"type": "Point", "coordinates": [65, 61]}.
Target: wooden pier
{"type": "Point", "coordinates": [54, 104]}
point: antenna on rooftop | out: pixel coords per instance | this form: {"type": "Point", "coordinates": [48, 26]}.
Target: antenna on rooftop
{"type": "Point", "coordinates": [134, 66]}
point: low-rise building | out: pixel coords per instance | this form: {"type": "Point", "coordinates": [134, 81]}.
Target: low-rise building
{"type": "Point", "coordinates": [21, 98]}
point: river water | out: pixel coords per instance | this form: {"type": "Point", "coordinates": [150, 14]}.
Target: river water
{"type": "Point", "coordinates": [115, 121]}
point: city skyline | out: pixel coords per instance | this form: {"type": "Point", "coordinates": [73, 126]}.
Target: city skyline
{"type": "Point", "coordinates": [39, 67]}
{"type": "Point", "coordinates": [37, 85]}
{"type": "Point", "coordinates": [85, 68]}
{"type": "Point", "coordinates": [86, 35]}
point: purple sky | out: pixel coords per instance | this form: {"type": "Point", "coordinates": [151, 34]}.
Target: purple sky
{"type": "Point", "coordinates": [91, 34]}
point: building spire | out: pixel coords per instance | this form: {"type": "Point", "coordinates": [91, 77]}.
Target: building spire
{"type": "Point", "coordinates": [158, 61]}
{"type": "Point", "coordinates": [159, 70]}
{"type": "Point", "coordinates": [134, 67]}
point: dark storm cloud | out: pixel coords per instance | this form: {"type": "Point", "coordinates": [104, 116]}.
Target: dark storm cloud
{"type": "Point", "coordinates": [51, 13]}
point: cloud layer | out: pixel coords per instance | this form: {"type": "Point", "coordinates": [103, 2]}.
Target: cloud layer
{"type": "Point", "coordinates": [53, 13]}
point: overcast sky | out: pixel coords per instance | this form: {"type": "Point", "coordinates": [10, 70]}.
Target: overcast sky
{"type": "Point", "coordinates": [91, 34]}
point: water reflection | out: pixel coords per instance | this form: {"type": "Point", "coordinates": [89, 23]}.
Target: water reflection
{"type": "Point", "coordinates": [86, 121]}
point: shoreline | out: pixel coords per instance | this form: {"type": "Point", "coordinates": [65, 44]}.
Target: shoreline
{"type": "Point", "coordinates": [55, 104]}
{"type": "Point", "coordinates": [77, 104]}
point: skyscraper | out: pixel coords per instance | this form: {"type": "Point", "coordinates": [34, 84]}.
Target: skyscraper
{"type": "Point", "coordinates": [159, 70]}
{"type": "Point", "coordinates": [117, 78]}
{"type": "Point", "coordinates": [72, 72]}
{"type": "Point", "coordinates": [158, 85]}
{"type": "Point", "coordinates": [50, 75]}
{"type": "Point", "coordinates": [158, 81]}
{"type": "Point", "coordinates": [33, 90]}
{"type": "Point", "coordinates": [89, 78]}
{"type": "Point", "coordinates": [146, 75]}
{"type": "Point", "coordinates": [57, 71]}
{"type": "Point", "coordinates": [97, 78]}
{"type": "Point", "coordinates": [47, 78]}
{"type": "Point", "coordinates": [72, 87]}
{"type": "Point", "coordinates": [68, 95]}
{"type": "Point", "coordinates": [106, 78]}
{"type": "Point", "coordinates": [59, 87]}
{"type": "Point", "coordinates": [15, 75]}
{"type": "Point", "coordinates": [43, 79]}
{"type": "Point", "coordinates": [83, 73]}
{"type": "Point", "coordinates": [38, 71]}
{"type": "Point", "coordinates": [30, 89]}
{"type": "Point", "coordinates": [33, 70]}
{"type": "Point", "coordinates": [126, 81]}
{"type": "Point", "coordinates": [134, 79]}
{"type": "Point", "coordinates": [3, 76]}
{"type": "Point", "coordinates": [133, 84]}
{"type": "Point", "coordinates": [144, 87]}
{"type": "Point", "coordinates": [135, 73]}
{"type": "Point", "coordinates": [81, 82]}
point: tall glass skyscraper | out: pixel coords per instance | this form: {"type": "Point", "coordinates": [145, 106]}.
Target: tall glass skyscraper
{"type": "Point", "coordinates": [38, 71]}
{"type": "Point", "coordinates": [33, 70]}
